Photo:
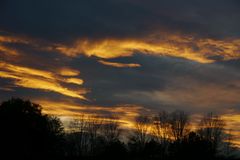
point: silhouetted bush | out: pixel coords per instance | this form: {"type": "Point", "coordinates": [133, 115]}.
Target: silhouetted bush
{"type": "Point", "coordinates": [191, 147]}
{"type": "Point", "coordinates": [26, 132]}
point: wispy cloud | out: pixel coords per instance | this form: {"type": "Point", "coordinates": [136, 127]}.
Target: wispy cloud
{"type": "Point", "coordinates": [190, 95]}
{"type": "Point", "coordinates": [195, 49]}
{"type": "Point", "coordinates": [8, 51]}
{"type": "Point", "coordinates": [120, 65]}
{"type": "Point", "coordinates": [40, 79]}
{"type": "Point", "coordinates": [125, 113]}
{"type": "Point", "coordinates": [68, 72]}
{"type": "Point", "coordinates": [74, 81]}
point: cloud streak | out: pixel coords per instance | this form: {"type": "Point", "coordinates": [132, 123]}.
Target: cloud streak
{"type": "Point", "coordinates": [39, 79]}
{"type": "Point", "coordinates": [188, 47]}
{"type": "Point", "coordinates": [68, 72]}
{"type": "Point", "coordinates": [120, 65]}
{"type": "Point", "coordinates": [125, 113]}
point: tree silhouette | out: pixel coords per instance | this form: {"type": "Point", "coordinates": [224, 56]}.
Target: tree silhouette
{"type": "Point", "coordinates": [191, 147]}
{"type": "Point", "coordinates": [161, 131]}
{"type": "Point", "coordinates": [110, 130]}
{"type": "Point", "coordinates": [140, 136]}
{"type": "Point", "coordinates": [211, 129]}
{"type": "Point", "coordinates": [26, 132]}
{"type": "Point", "coordinates": [179, 123]}
{"type": "Point", "coordinates": [78, 137]}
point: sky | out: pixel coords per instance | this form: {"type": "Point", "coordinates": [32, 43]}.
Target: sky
{"type": "Point", "coordinates": [122, 57]}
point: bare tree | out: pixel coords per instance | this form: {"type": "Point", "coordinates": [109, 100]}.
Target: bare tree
{"type": "Point", "coordinates": [161, 127]}
{"type": "Point", "coordinates": [161, 131]}
{"type": "Point", "coordinates": [94, 125]}
{"type": "Point", "coordinates": [179, 122]}
{"type": "Point", "coordinates": [111, 129]}
{"type": "Point", "coordinates": [211, 129]}
{"type": "Point", "coordinates": [84, 132]}
{"type": "Point", "coordinates": [228, 145]}
{"type": "Point", "coordinates": [79, 135]}
{"type": "Point", "coordinates": [78, 124]}
{"type": "Point", "coordinates": [142, 126]}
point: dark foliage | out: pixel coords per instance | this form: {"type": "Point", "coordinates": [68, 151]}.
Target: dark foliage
{"type": "Point", "coordinates": [27, 133]}
{"type": "Point", "coordinates": [191, 146]}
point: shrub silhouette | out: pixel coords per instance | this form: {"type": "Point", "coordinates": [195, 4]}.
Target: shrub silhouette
{"type": "Point", "coordinates": [191, 147]}
{"type": "Point", "coordinates": [26, 132]}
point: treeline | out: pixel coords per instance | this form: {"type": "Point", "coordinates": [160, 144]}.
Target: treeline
{"type": "Point", "coordinates": [29, 134]}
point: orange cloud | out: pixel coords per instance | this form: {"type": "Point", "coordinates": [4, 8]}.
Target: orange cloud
{"type": "Point", "coordinates": [49, 86]}
{"type": "Point", "coordinates": [25, 70]}
{"type": "Point", "coordinates": [68, 72]}
{"type": "Point", "coordinates": [74, 81]}
{"type": "Point", "coordinates": [126, 113]}
{"type": "Point", "coordinates": [10, 39]}
{"type": "Point", "coordinates": [13, 39]}
{"type": "Point", "coordinates": [233, 125]}
{"type": "Point", "coordinates": [8, 51]}
{"type": "Point", "coordinates": [202, 50]}
{"type": "Point", "coordinates": [120, 65]}
{"type": "Point", "coordinates": [199, 50]}
{"type": "Point", "coordinates": [39, 79]}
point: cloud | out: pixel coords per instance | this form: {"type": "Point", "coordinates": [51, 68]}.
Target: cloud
{"type": "Point", "coordinates": [202, 50]}
{"type": "Point", "coordinates": [125, 113]}
{"type": "Point", "coordinates": [74, 81]}
{"type": "Point", "coordinates": [188, 47]}
{"type": "Point", "coordinates": [68, 72]}
{"type": "Point", "coordinates": [120, 65]}
{"type": "Point", "coordinates": [197, 97]}
{"type": "Point", "coordinates": [13, 39]}
{"type": "Point", "coordinates": [6, 50]}
{"type": "Point", "coordinates": [39, 79]}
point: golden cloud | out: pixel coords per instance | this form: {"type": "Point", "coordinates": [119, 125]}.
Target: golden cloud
{"type": "Point", "coordinates": [39, 79]}
{"type": "Point", "coordinates": [196, 49]}
{"type": "Point", "coordinates": [11, 39]}
{"type": "Point", "coordinates": [25, 70]}
{"type": "Point", "coordinates": [120, 65]}
{"type": "Point", "coordinates": [202, 50]}
{"type": "Point", "coordinates": [74, 81]}
{"type": "Point", "coordinates": [68, 72]}
{"type": "Point", "coordinates": [126, 113]}
{"type": "Point", "coordinates": [8, 51]}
